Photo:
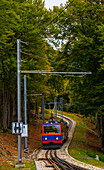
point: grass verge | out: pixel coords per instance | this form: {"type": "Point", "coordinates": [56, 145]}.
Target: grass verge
{"type": "Point", "coordinates": [82, 146]}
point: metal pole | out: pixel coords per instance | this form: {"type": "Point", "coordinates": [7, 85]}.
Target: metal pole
{"type": "Point", "coordinates": [61, 107]}
{"type": "Point", "coordinates": [55, 105]}
{"type": "Point", "coordinates": [43, 107]}
{"type": "Point", "coordinates": [51, 114]}
{"type": "Point", "coordinates": [25, 108]}
{"type": "Point", "coordinates": [19, 98]}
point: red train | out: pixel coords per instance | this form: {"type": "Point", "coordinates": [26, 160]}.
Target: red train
{"type": "Point", "coordinates": [54, 133]}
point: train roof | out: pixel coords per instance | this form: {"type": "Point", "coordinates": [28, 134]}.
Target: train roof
{"type": "Point", "coordinates": [54, 123]}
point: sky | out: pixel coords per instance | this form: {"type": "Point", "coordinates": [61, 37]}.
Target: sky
{"type": "Point", "coordinates": [51, 3]}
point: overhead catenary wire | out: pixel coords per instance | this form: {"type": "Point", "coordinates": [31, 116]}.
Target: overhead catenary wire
{"type": "Point", "coordinates": [44, 45]}
{"type": "Point", "coordinates": [56, 17]}
{"type": "Point", "coordinates": [52, 61]}
{"type": "Point", "coordinates": [59, 13]}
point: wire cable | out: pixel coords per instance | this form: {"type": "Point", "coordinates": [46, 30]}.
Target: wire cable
{"type": "Point", "coordinates": [56, 17]}
{"type": "Point", "coordinates": [45, 33]}
{"type": "Point", "coordinates": [59, 13]}
{"type": "Point", "coordinates": [52, 61]}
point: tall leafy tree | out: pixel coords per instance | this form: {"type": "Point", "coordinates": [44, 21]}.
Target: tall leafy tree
{"type": "Point", "coordinates": [26, 21]}
{"type": "Point", "coordinates": [79, 25]}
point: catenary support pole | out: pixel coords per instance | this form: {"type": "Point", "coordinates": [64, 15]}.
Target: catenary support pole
{"type": "Point", "coordinates": [55, 107]}
{"type": "Point", "coordinates": [25, 109]}
{"type": "Point", "coordinates": [19, 98]}
{"type": "Point", "coordinates": [61, 107]}
{"type": "Point", "coordinates": [43, 106]}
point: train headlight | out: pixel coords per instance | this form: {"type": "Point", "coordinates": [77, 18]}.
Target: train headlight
{"type": "Point", "coordinates": [57, 138]}
{"type": "Point", "coordinates": [45, 138]}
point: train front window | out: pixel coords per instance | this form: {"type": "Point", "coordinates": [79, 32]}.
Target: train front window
{"type": "Point", "coordinates": [51, 129]}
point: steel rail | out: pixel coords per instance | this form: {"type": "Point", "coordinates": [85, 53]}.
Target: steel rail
{"type": "Point", "coordinates": [51, 161]}
{"type": "Point", "coordinates": [61, 163]}
{"type": "Point", "coordinates": [67, 164]}
{"type": "Point", "coordinates": [74, 166]}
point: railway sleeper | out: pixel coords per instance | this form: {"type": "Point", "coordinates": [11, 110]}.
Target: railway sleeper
{"type": "Point", "coordinates": [61, 165]}
{"type": "Point", "coordinates": [41, 159]}
{"type": "Point", "coordinates": [49, 165]}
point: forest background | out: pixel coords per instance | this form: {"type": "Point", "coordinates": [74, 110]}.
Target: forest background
{"type": "Point", "coordinates": [80, 27]}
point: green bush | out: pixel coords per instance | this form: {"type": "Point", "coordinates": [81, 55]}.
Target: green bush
{"type": "Point", "coordinates": [93, 155]}
{"type": "Point", "coordinates": [101, 157]}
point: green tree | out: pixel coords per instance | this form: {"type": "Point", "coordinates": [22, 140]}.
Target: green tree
{"type": "Point", "coordinates": [26, 21]}
{"type": "Point", "coordinates": [79, 25]}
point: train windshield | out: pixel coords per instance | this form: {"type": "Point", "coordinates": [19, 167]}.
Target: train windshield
{"type": "Point", "coordinates": [51, 129]}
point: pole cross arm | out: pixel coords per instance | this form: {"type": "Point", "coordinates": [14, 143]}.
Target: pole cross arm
{"type": "Point", "coordinates": [48, 72]}
{"type": "Point", "coordinates": [52, 103]}
{"type": "Point", "coordinates": [23, 42]}
{"type": "Point", "coordinates": [34, 95]}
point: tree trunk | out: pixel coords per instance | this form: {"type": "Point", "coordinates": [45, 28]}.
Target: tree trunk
{"type": "Point", "coordinates": [14, 108]}
{"type": "Point", "coordinates": [9, 115]}
{"type": "Point", "coordinates": [98, 126]}
{"type": "Point", "coordinates": [4, 106]}
{"type": "Point", "coordinates": [101, 124]}
{"type": "Point", "coordinates": [1, 110]}
{"type": "Point", "coordinates": [90, 118]}
{"type": "Point", "coordinates": [102, 134]}
{"type": "Point", "coordinates": [37, 110]}
{"type": "Point", "coordinates": [96, 120]}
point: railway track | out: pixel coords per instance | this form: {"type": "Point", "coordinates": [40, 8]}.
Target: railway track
{"type": "Point", "coordinates": [60, 160]}
{"type": "Point", "coordinates": [65, 165]}
{"type": "Point", "coordinates": [51, 160]}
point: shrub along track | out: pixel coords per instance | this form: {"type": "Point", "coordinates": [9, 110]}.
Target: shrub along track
{"type": "Point", "coordinates": [61, 159]}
